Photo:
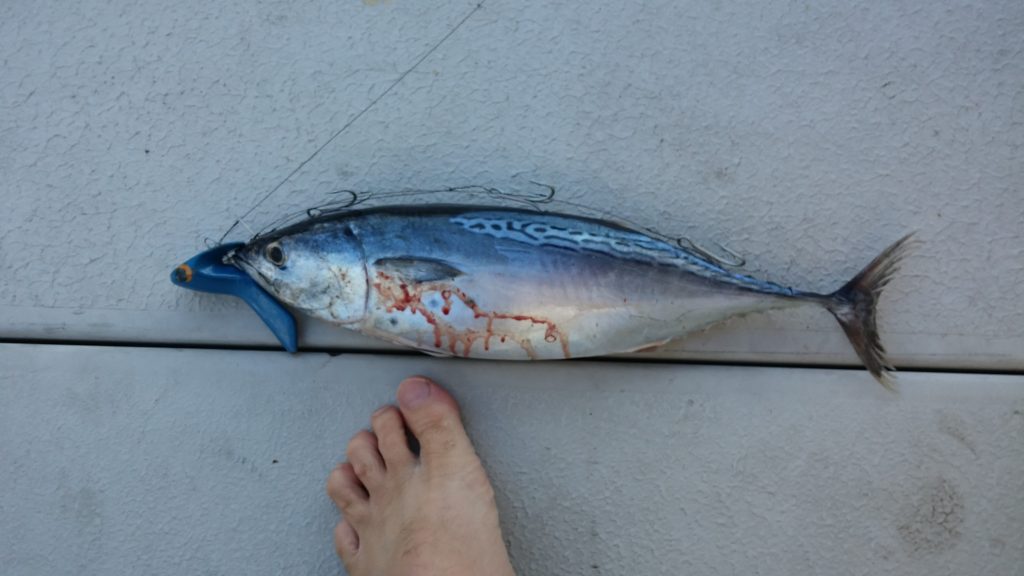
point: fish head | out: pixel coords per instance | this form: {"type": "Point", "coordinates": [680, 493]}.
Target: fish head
{"type": "Point", "coordinates": [320, 272]}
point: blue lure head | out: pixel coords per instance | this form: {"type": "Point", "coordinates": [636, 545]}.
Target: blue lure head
{"type": "Point", "coordinates": [207, 272]}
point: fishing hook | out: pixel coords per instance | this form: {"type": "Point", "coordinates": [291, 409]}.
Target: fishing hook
{"type": "Point", "coordinates": [691, 246]}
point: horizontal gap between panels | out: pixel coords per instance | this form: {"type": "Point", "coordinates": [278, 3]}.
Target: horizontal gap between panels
{"type": "Point", "coordinates": [413, 353]}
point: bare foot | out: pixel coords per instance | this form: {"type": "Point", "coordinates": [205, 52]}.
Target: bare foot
{"type": "Point", "coordinates": [404, 515]}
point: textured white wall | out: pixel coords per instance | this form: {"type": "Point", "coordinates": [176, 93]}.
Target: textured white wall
{"type": "Point", "coordinates": [149, 461]}
{"type": "Point", "coordinates": [807, 136]}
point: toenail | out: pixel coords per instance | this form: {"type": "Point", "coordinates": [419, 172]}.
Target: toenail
{"type": "Point", "coordinates": [381, 410]}
{"type": "Point", "coordinates": [414, 392]}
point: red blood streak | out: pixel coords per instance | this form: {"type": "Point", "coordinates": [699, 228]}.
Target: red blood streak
{"type": "Point", "coordinates": [490, 332]}
{"type": "Point", "coordinates": [551, 334]}
{"type": "Point", "coordinates": [405, 298]}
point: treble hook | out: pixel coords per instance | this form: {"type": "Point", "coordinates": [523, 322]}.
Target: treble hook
{"type": "Point", "coordinates": [353, 198]}
{"type": "Point", "coordinates": [545, 198]}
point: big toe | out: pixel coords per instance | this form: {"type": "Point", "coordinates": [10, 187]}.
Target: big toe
{"type": "Point", "coordinates": [432, 416]}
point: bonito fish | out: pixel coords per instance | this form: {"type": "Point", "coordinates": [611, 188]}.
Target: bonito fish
{"type": "Point", "coordinates": [515, 284]}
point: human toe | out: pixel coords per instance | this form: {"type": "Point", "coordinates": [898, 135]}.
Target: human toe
{"type": "Point", "coordinates": [392, 440]}
{"type": "Point", "coordinates": [346, 541]}
{"type": "Point", "coordinates": [347, 492]}
{"type": "Point", "coordinates": [432, 416]}
{"type": "Point", "coordinates": [366, 460]}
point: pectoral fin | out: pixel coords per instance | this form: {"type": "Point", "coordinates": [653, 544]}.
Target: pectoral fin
{"type": "Point", "coordinates": [417, 270]}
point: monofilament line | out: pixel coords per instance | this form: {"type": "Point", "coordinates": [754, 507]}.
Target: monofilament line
{"type": "Point", "coordinates": [355, 118]}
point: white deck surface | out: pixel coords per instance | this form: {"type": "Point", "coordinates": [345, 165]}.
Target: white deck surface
{"type": "Point", "coordinates": [805, 136]}
{"type": "Point", "coordinates": [165, 461]}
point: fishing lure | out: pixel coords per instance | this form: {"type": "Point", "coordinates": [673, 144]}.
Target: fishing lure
{"type": "Point", "coordinates": [516, 284]}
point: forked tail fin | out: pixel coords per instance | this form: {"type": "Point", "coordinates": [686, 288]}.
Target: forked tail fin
{"type": "Point", "coordinates": [854, 306]}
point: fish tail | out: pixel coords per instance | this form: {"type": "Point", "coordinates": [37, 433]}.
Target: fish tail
{"type": "Point", "coordinates": [855, 304]}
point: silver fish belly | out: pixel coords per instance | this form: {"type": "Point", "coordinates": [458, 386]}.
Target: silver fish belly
{"type": "Point", "coordinates": [513, 284]}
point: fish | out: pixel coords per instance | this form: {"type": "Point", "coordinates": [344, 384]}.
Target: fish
{"type": "Point", "coordinates": [510, 283]}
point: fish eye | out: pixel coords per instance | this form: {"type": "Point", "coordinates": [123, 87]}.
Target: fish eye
{"type": "Point", "coordinates": [275, 254]}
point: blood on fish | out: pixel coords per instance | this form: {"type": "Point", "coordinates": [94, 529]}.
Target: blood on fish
{"type": "Point", "coordinates": [551, 334]}
{"type": "Point", "coordinates": [405, 301]}
{"type": "Point", "coordinates": [405, 298]}
{"type": "Point", "coordinates": [490, 332]}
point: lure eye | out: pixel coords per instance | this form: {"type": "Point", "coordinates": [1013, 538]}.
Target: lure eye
{"type": "Point", "coordinates": [275, 254]}
{"type": "Point", "coordinates": [183, 274]}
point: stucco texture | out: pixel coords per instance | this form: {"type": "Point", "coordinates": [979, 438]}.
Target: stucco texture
{"type": "Point", "coordinates": [164, 461]}
{"type": "Point", "coordinates": [804, 136]}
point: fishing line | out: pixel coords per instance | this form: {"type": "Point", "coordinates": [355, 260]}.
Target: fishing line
{"type": "Point", "coordinates": [355, 118]}
{"type": "Point", "coordinates": [355, 198]}
{"type": "Point", "coordinates": [352, 199]}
